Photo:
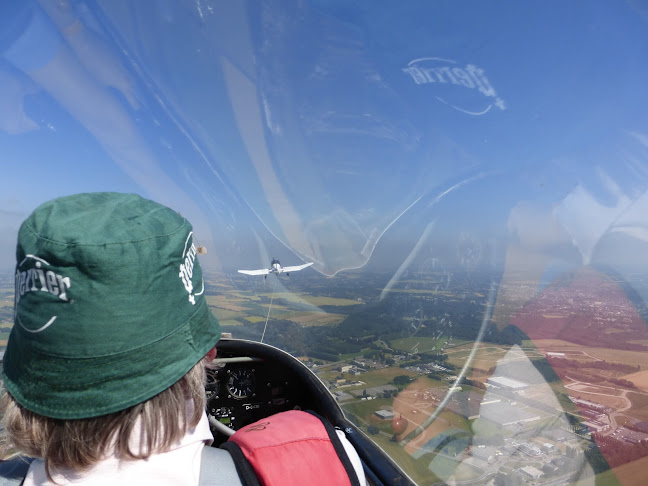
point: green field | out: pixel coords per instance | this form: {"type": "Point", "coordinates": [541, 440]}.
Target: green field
{"type": "Point", "coordinates": [291, 297]}
{"type": "Point", "coordinates": [254, 309]}
{"type": "Point", "coordinates": [6, 307]}
{"type": "Point", "coordinates": [486, 428]}
{"type": "Point", "coordinates": [332, 301]}
{"type": "Point", "coordinates": [419, 291]}
{"type": "Point", "coordinates": [230, 322]}
{"type": "Point", "coordinates": [378, 377]}
{"type": "Point", "coordinates": [363, 409]}
{"type": "Point", "coordinates": [223, 315]}
{"type": "Point", "coordinates": [639, 409]}
{"type": "Point", "coordinates": [309, 318]}
{"type": "Point", "coordinates": [638, 400]}
{"type": "Point", "coordinates": [423, 344]}
{"type": "Point", "coordinates": [445, 467]}
{"type": "Point", "coordinates": [417, 469]}
{"type": "Point", "coordinates": [244, 296]}
{"type": "Point", "coordinates": [485, 357]}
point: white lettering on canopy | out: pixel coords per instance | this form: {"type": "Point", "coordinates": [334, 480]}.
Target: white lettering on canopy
{"type": "Point", "coordinates": [438, 71]}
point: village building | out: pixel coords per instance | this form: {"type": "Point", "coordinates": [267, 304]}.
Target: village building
{"type": "Point", "coordinates": [385, 414]}
{"type": "Point", "coordinates": [531, 472]}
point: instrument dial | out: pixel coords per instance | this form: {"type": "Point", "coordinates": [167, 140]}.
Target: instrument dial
{"type": "Point", "coordinates": [212, 388]}
{"type": "Point", "coordinates": [241, 383]}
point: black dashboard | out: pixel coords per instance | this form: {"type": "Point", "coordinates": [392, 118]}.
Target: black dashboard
{"type": "Point", "coordinates": [251, 381]}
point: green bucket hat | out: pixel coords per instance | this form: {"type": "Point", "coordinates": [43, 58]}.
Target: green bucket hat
{"type": "Point", "coordinates": [109, 306]}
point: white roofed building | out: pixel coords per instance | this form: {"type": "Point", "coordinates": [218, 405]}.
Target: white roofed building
{"type": "Point", "coordinates": [507, 383]}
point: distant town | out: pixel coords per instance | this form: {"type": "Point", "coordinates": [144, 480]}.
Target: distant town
{"type": "Point", "coordinates": [458, 380]}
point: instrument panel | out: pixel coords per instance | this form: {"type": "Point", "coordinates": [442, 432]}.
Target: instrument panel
{"type": "Point", "coordinates": [242, 389]}
{"type": "Point", "coordinates": [250, 381]}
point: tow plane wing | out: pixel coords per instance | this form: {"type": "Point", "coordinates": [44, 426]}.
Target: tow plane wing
{"type": "Point", "coordinates": [296, 267]}
{"type": "Point", "coordinates": [263, 271]}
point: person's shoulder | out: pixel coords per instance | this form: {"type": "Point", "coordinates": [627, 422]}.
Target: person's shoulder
{"type": "Point", "coordinates": [217, 468]}
{"type": "Point", "coordinates": [13, 471]}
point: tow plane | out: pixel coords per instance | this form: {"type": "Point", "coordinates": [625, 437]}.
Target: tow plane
{"type": "Point", "coordinates": [276, 268]}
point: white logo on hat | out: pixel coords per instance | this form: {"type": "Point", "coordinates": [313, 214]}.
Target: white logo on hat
{"type": "Point", "coordinates": [48, 281]}
{"type": "Point", "coordinates": [187, 268]}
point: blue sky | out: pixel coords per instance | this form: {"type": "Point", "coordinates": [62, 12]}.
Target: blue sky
{"type": "Point", "coordinates": [320, 130]}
